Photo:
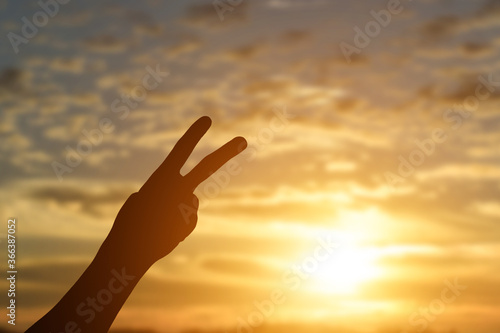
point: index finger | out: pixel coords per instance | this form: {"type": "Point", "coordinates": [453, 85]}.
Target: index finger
{"type": "Point", "coordinates": [215, 161]}
{"type": "Point", "coordinates": [186, 144]}
{"type": "Point", "coordinates": [181, 151]}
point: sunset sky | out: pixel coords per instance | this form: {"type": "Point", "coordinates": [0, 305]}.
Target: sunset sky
{"type": "Point", "coordinates": [390, 150]}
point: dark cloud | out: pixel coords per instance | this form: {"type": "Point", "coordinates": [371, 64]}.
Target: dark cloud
{"type": "Point", "coordinates": [296, 4]}
{"type": "Point", "coordinates": [12, 80]}
{"type": "Point", "coordinates": [465, 87]}
{"type": "Point", "coordinates": [77, 18]}
{"type": "Point", "coordinates": [185, 43]}
{"type": "Point", "coordinates": [39, 248]}
{"type": "Point", "coordinates": [206, 15]}
{"type": "Point", "coordinates": [90, 201]}
{"type": "Point", "coordinates": [245, 52]}
{"type": "Point", "coordinates": [446, 26]}
{"type": "Point", "coordinates": [104, 43]}
{"type": "Point", "coordinates": [54, 274]}
{"type": "Point", "coordinates": [490, 7]}
{"type": "Point", "coordinates": [475, 48]}
{"type": "Point", "coordinates": [295, 37]}
{"type": "Point", "coordinates": [144, 22]}
{"type": "Point", "coordinates": [440, 27]}
{"type": "Point", "coordinates": [346, 104]}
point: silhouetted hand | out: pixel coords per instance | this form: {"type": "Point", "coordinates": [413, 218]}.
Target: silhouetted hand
{"type": "Point", "coordinates": [150, 225]}
{"type": "Point", "coordinates": [154, 220]}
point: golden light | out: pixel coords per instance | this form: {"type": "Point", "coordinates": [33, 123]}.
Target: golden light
{"type": "Point", "coordinates": [348, 268]}
{"type": "Point", "coordinates": [352, 264]}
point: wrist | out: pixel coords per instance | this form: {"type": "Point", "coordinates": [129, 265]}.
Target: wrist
{"type": "Point", "coordinates": [114, 256]}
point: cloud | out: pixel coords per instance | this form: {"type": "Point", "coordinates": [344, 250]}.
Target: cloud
{"type": "Point", "coordinates": [293, 38]}
{"type": "Point", "coordinates": [474, 49]}
{"type": "Point", "coordinates": [13, 81]}
{"type": "Point", "coordinates": [321, 212]}
{"type": "Point", "coordinates": [468, 171]}
{"type": "Point", "coordinates": [76, 19]}
{"type": "Point", "coordinates": [59, 251]}
{"type": "Point", "coordinates": [88, 200]}
{"type": "Point", "coordinates": [450, 260]}
{"type": "Point", "coordinates": [488, 208]}
{"type": "Point", "coordinates": [245, 52]}
{"type": "Point", "coordinates": [449, 26]}
{"type": "Point", "coordinates": [489, 8]}
{"type": "Point", "coordinates": [323, 171]}
{"type": "Point", "coordinates": [206, 15]}
{"type": "Point", "coordinates": [239, 267]}
{"type": "Point", "coordinates": [187, 44]}
{"type": "Point", "coordinates": [295, 4]}
{"type": "Point", "coordinates": [15, 142]}
{"type": "Point", "coordinates": [143, 22]}
{"type": "Point", "coordinates": [69, 65]}
{"type": "Point", "coordinates": [428, 290]}
{"type": "Point", "coordinates": [70, 127]}
{"type": "Point", "coordinates": [104, 44]}
{"type": "Point", "coordinates": [8, 122]}
{"type": "Point", "coordinates": [440, 27]}
{"type": "Point", "coordinates": [54, 274]}
{"type": "Point", "coordinates": [86, 100]}
{"type": "Point", "coordinates": [271, 86]}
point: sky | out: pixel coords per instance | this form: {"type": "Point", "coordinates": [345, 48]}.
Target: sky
{"type": "Point", "coordinates": [372, 125]}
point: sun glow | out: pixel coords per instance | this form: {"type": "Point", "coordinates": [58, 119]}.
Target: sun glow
{"type": "Point", "coordinates": [345, 271]}
{"type": "Point", "coordinates": [352, 264]}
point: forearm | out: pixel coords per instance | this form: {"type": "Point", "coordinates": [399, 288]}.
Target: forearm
{"type": "Point", "coordinates": [93, 302]}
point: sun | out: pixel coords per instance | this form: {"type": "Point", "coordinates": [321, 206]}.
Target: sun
{"type": "Point", "coordinates": [353, 263]}
{"type": "Point", "coordinates": [345, 271]}
{"type": "Point", "coordinates": [355, 260]}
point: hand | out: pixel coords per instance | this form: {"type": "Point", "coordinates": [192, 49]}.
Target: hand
{"type": "Point", "coordinates": [149, 226]}
{"type": "Point", "coordinates": [154, 220]}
